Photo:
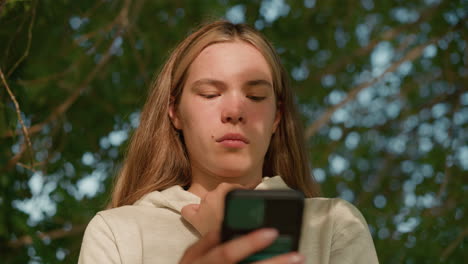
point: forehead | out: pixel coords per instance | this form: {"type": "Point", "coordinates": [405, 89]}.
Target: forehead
{"type": "Point", "coordinates": [230, 59]}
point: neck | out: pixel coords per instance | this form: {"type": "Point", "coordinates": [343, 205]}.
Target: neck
{"type": "Point", "coordinates": [205, 181]}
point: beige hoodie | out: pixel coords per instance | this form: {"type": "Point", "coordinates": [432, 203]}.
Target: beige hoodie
{"type": "Point", "coordinates": [153, 231]}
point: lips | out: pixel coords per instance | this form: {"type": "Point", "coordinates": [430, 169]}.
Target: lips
{"type": "Point", "coordinates": [233, 137]}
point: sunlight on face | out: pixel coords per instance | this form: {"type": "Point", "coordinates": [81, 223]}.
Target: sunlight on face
{"type": "Point", "coordinates": [227, 111]}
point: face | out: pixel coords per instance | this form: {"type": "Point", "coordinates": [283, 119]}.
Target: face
{"type": "Point", "coordinates": [227, 111]}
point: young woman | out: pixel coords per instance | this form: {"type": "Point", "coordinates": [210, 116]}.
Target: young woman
{"type": "Point", "coordinates": [219, 116]}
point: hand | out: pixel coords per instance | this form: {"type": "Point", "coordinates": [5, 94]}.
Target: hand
{"type": "Point", "coordinates": [208, 215]}
{"type": "Point", "coordinates": [209, 250]}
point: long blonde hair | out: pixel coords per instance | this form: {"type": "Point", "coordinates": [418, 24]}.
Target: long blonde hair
{"type": "Point", "coordinates": [157, 158]}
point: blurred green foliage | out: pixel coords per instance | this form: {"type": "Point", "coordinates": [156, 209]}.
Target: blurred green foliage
{"type": "Point", "coordinates": [381, 86]}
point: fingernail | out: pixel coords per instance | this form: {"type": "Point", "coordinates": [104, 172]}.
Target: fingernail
{"type": "Point", "coordinates": [269, 234]}
{"type": "Point", "coordinates": [296, 259]}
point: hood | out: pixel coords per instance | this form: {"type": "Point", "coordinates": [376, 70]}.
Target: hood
{"type": "Point", "coordinates": [176, 197]}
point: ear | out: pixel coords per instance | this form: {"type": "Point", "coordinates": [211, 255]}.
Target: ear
{"type": "Point", "coordinates": [277, 118]}
{"type": "Point", "coordinates": [175, 120]}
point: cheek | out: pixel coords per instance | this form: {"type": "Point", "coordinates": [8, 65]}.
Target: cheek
{"type": "Point", "coordinates": [196, 117]}
{"type": "Point", "coordinates": [263, 118]}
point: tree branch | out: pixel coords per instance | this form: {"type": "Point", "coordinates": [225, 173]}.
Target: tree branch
{"type": "Point", "coordinates": [62, 108]}
{"type": "Point", "coordinates": [121, 19]}
{"type": "Point", "coordinates": [320, 122]}
{"type": "Point", "coordinates": [93, 9]}
{"type": "Point", "coordinates": [20, 119]}
{"type": "Point", "coordinates": [54, 234]}
{"type": "Point", "coordinates": [376, 181]}
{"type": "Point", "coordinates": [388, 35]}
{"type": "Point", "coordinates": [28, 45]}
{"type": "Point", "coordinates": [447, 174]}
{"type": "Point", "coordinates": [53, 76]}
{"type": "Point", "coordinates": [58, 75]}
{"type": "Point", "coordinates": [2, 4]}
{"type": "Point", "coordinates": [12, 162]}
{"type": "Point", "coordinates": [448, 250]}
{"type": "Point", "coordinates": [444, 184]}
{"type": "Point", "coordinates": [138, 59]}
{"type": "Point", "coordinates": [91, 34]}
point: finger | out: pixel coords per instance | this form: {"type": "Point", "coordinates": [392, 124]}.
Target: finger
{"type": "Point", "coordinates": [221, 191]}
{"type": "Point", "coordinates": [226, 187]}
{"type": "Point", "coordinates": [201, 247]}
{"type": "Point", "coordinates": [189, 211]}
{"type": "Point", "coordinates": [238, 249]}
{"type": "Point", "coordinates": [289, 258]}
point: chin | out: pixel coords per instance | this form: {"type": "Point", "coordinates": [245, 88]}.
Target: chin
{"type": "Point", "coordinates": [234, 165]}
{"type": "Point", "coordinates": [232, 172]}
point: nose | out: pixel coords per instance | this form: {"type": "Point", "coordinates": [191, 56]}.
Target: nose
{"type": "Point", "coordinates": [233, 111]}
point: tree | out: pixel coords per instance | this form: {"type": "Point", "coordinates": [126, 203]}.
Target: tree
{"type": "Point", "coordinates": [381, 86]}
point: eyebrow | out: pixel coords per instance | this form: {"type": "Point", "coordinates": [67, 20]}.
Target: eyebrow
{"type": "Point", "coordinates": [259, 82]}
{"type": "Point", "coordinates": [212, 82]}
{"type": "Point", "coordinates": [221, 84]}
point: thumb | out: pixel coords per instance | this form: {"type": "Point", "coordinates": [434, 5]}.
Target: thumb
{"type": "Point", "coordinates": [189, 211]}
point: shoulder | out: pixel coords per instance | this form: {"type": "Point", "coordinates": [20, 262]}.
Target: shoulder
{"type": "Point", "coordinates": [107, 237]}
{"type": "Point", "coordinates": [114, 222]}
{"type": "Point", "coordinates": [99, 242]}
{"type": "Point", "coordinates": [343, 214]}
{"type": "Point", "coordinates": [131, 218]}
{"type": "Point", "coordinates": [343, 227]}
{"type": "Point", "coordinates": [105, 221]}
{"type": "Point", "coordinates": [123, 212]}
{"type": "Point", "coordinates": [335, 207]}
{"type": "Point", "coordinates": [98, 226]}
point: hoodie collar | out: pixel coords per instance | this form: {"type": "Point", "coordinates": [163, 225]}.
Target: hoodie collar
{"type": "Point", "coordinates": [176, 197]}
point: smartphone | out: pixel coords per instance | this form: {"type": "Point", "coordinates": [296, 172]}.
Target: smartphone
{"type": "Point", "coordinates": [248, 210]}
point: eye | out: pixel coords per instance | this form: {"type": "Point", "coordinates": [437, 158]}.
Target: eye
{"type": "Point", "coordinates": [209, 96]}
{"type": "Point", "coordinates": [256, 98]}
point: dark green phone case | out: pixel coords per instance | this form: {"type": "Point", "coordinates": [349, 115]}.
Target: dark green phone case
{"type": "Point", "coordinates": [247, 210]}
